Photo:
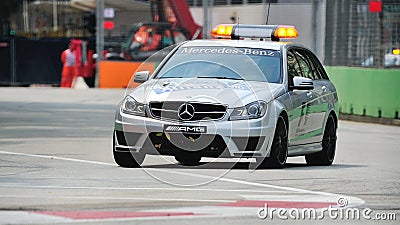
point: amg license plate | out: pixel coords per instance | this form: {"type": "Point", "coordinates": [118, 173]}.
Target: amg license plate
{"type": "Point", "coordinates": [185, 129]}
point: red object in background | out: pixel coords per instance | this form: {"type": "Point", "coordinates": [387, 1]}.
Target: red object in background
{"type": "Point", "coordinates": [88, 67]}
{"type": "Point", "coordinates": [184, 18]}
{"type": "Point", "coordinates": [108, 25]}
{"type": "Point", "coordinates": [76, 45]}
{"type": "Point", "coordinates": [71, 63]}
{"type": "Point", "coordinates": [375, 6]}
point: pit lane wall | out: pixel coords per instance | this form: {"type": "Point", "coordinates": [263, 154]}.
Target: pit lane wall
{"type": "Point", "coordinates": [367, 91]}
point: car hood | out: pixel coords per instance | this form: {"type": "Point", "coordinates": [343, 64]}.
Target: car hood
{"type": "Point", "coordinates": [234, 93]}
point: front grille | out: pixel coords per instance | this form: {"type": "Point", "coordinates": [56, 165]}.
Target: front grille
{"type": "Point", "coordinates": [202, 111]}
{"type": "Point", "coordinates": [205, 144]}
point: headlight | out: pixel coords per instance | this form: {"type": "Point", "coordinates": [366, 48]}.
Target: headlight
{"type": "Point", "coordinates": [131, 106]}
{"type": "Point", "coordinates": [250, 111]}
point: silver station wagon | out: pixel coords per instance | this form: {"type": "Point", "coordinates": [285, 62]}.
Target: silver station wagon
{"type": "Point", "coordinates": [245, 94]}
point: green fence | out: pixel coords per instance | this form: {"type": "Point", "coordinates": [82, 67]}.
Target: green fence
{"type": "Point", "coordinates": [369, 92]}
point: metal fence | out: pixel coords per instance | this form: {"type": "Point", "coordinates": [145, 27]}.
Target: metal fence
{"type": "Point", "coordinates": [53, 19]}
{"type": "Point", "coordinates": [355, 36]}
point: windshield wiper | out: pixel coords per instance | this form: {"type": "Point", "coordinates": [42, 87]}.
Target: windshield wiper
{"type": "Point", "coordinates": [230, 78]}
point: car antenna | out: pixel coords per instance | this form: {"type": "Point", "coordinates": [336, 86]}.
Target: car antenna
{"type": "Point", "coordinates": [269, 6]}
{"type": "Point", "coordinates": [237, 22]}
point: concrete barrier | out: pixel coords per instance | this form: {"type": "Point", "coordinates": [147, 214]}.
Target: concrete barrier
{"type": "Point", "coordinates": [367, 91]}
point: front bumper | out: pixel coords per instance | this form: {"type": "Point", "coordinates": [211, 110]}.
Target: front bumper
{"type": "Point", "coordinates": [223, 138]}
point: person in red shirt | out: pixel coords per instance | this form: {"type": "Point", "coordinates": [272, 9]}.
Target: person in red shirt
{"type": "Point", "coordinates": [69, 61]}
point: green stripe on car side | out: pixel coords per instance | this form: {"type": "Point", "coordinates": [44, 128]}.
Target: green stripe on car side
{"type": "Point", "coordinates": [297, 112]}
{"type": "Point", "coordinates": [307, 135]}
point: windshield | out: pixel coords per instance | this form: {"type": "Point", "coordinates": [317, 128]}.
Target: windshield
{"type": "Point", "coordinates": [223, 63]}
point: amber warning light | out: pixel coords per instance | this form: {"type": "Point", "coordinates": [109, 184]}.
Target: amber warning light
{"type": "Point", "coordinates": [286, 32]}
{"type": "Point", "coordinates": [240, 31]}
{"type": "Point", "coordinates": [222, 31]}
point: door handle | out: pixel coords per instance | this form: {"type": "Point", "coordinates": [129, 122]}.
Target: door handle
{"type": "Point", "coordinates": [309, 94]}
{"type": "Point", "coordinates": [324, 88]}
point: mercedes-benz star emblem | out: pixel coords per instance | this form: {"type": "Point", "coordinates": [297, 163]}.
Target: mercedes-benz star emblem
{"type": "Point", "coordinates": [186, 111]}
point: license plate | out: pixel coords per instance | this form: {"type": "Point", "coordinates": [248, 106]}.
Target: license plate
{"type": "Point", "coordinates": [185, 129]}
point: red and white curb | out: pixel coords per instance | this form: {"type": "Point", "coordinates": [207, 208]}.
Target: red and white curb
{"type": "Point", "coordinates": [248, 206]}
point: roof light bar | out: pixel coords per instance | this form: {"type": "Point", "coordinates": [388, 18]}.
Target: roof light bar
{"type": "Point", "coordinates": [286, 32]}
{"type": "Point", "coordinates": [239, 31]}
{"type": "Point", "coordinates": [222, 31]}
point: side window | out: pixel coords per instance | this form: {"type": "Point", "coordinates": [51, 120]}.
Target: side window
{"type": "Point", "coordinates": [293, 66]}
{"type": "Point", "coordinates": [305, 66]}
{"type": "Point", "coordinates": [311, 61]}
{"type": "Point", "coordinates": [319, 69]}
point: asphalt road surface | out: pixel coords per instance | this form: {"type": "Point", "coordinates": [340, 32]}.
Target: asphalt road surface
{"type": "Point", "coordinates": [56, 167]}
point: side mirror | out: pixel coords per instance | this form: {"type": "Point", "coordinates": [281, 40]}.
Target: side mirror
{"type": "Point", "coordinates": [141, 77]}
{"type": "Point", "coordinates": [302, 83]}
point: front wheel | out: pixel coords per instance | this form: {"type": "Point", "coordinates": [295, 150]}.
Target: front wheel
{"type": "Point", "coordinates": [188, 158]}
{"type": "Point", "coordinates": [326, 156]}
{"type": "Point", "coordinates": [279, 148]}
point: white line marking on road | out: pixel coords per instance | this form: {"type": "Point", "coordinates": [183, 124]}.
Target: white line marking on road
{"type": "Point", "coordinates": [121, 198]}
{"type": "Point", "coordinates": [57, 157]}
{"type": "Point", "coordinates": [137, 188]}
{"type": "Point", "coordinates": [25, 217]}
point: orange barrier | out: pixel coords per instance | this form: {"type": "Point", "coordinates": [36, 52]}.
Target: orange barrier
{"type": "Point", "coordinates": [117, 74]}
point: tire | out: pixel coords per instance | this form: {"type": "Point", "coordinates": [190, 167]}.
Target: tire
{"type": "Point", "coordinates": [188, 158]}
{"type": "Point", "coordinates": [327, 155]}
{"type": "Point", "coordinates": [279, 148]}
{"type": "Point", "coordinates": [127, 159]}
